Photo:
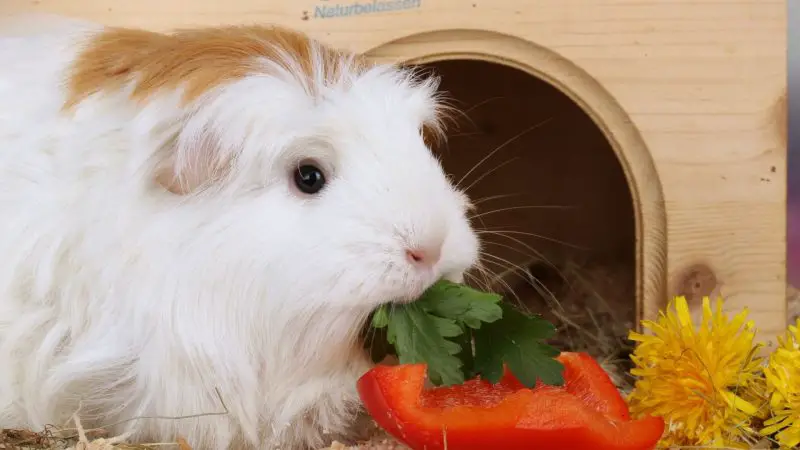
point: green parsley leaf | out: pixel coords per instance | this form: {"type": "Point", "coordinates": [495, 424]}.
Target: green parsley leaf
{"type": "Point", "coordinates": [466, 355]}
{"type": "Point", "coordinates": [380, 318]}
{"type": "Point", "coordinates": [460, 332]}
{"type": "Point", "coordinates": [421, 338]}
{"type": "Point", "coordinates": [461, 303]}
{"type": "Point", "coordinates": [516, 340]}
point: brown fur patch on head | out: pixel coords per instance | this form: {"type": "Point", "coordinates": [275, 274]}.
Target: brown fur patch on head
{"type": "Point", "coordinates": [197, 59]}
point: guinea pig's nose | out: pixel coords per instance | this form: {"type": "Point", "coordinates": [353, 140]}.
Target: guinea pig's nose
{"type": "Point", "coordinates": [427, 256]}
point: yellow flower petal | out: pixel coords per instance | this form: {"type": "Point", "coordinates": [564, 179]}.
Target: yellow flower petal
{"type": "Point", "coordinates": [704, 379]}
{"type": "Point", "coordinates": [739, 403]}
{"type": "Point", "coordinates": [682, 309]}
{"type": "Point", "coordinates": [782, 379]}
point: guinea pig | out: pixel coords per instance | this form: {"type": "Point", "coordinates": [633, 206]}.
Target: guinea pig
{"type": "Point", "coordinates": [197, 224]}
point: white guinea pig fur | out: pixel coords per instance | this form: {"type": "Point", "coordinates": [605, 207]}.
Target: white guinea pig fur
{"type": "Point", "coordinates": [158, 251]}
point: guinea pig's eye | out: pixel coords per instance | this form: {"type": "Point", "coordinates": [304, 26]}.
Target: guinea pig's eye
{"type": "Point", "coordinates": [309, 178]}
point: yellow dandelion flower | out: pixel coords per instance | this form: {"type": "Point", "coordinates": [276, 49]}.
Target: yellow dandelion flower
{"type": "Point", "coordinates": [703, 381]}
{"type": "Point", "coordinates": [782, 376]}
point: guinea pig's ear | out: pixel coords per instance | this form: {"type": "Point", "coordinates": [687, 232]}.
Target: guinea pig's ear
{"type": "Point", "coordinates": [191, 162]}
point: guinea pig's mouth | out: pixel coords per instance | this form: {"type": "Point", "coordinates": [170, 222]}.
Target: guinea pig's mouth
{"type": "Point", "coordinates": [404, 300]}
{"type": "Point", "coordinates": [412, 292]}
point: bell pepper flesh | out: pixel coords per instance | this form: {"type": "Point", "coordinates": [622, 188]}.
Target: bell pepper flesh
{"type": "Point", "coordinates": [587, 380]}
{"type": "Point", "coordinates": [581, 415]}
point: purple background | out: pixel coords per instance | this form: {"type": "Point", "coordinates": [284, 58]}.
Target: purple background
{"type": "Point", "coordinates": [793, 209]}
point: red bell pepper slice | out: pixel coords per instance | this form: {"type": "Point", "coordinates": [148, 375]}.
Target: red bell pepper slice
{"type": "Point", "coordinates": [587, 380]}
{"type": "Point", "coordinates": [587, 413]}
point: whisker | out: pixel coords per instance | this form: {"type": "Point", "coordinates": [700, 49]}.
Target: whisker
{"type": "Point", "coordinates": [487, 173]}
{"type": "Point", "coordinates": [493, 197]}
{"type": "Point", "coordinates": [502, 232]}
{"type": "Point", "coordinates": [545, 292]}
{"type": "Point", "coordinates": [508, 267]}
{"type": "Point", "coordinates": [465, 114]}
{"type": "Point", "coordinates": [494, 277]}
{"type": "Point", "coordinates": [457, 111]}
{"type": "Point", "coordinates": [512, 269]}
{"type": "Point", "coordinates": [507, 288]}
{"type": "Point", "coordinates": [524, 244]}
{"type": "Point", "coordinates": [540, 287]}
{"type": "Point", "coordinates": [472, 133]}
{"type": "Point", "coordinates": [468, 277]}
{"type": "Point", "coordinates": [481, 103]}
{"type": "Point", "coordinates": [536, 257]}
{"type": "Point", "coordinates": [502, 146]}
{"type": "Point", "coordinates": [483, 224]}
{"type": "Point", "coordinates": [478, 282]}
{"type": "Point", "coordinates": [504, 285]}
{"type": "Point", "coordinates": [484, 272]}
{"type": "Point", "coordinates": [512, 208]}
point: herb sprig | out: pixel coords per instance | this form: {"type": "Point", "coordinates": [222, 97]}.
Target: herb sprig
{"type": "Point", "coordinates": [461, 332]}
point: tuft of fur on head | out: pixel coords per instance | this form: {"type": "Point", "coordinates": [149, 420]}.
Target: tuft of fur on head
{"type": "Point", "coordinates": [200, 59]}
{"type": "Point", "coordinates": [157, 250]}
{"type": "Point", "coordinates": [202, 62]}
